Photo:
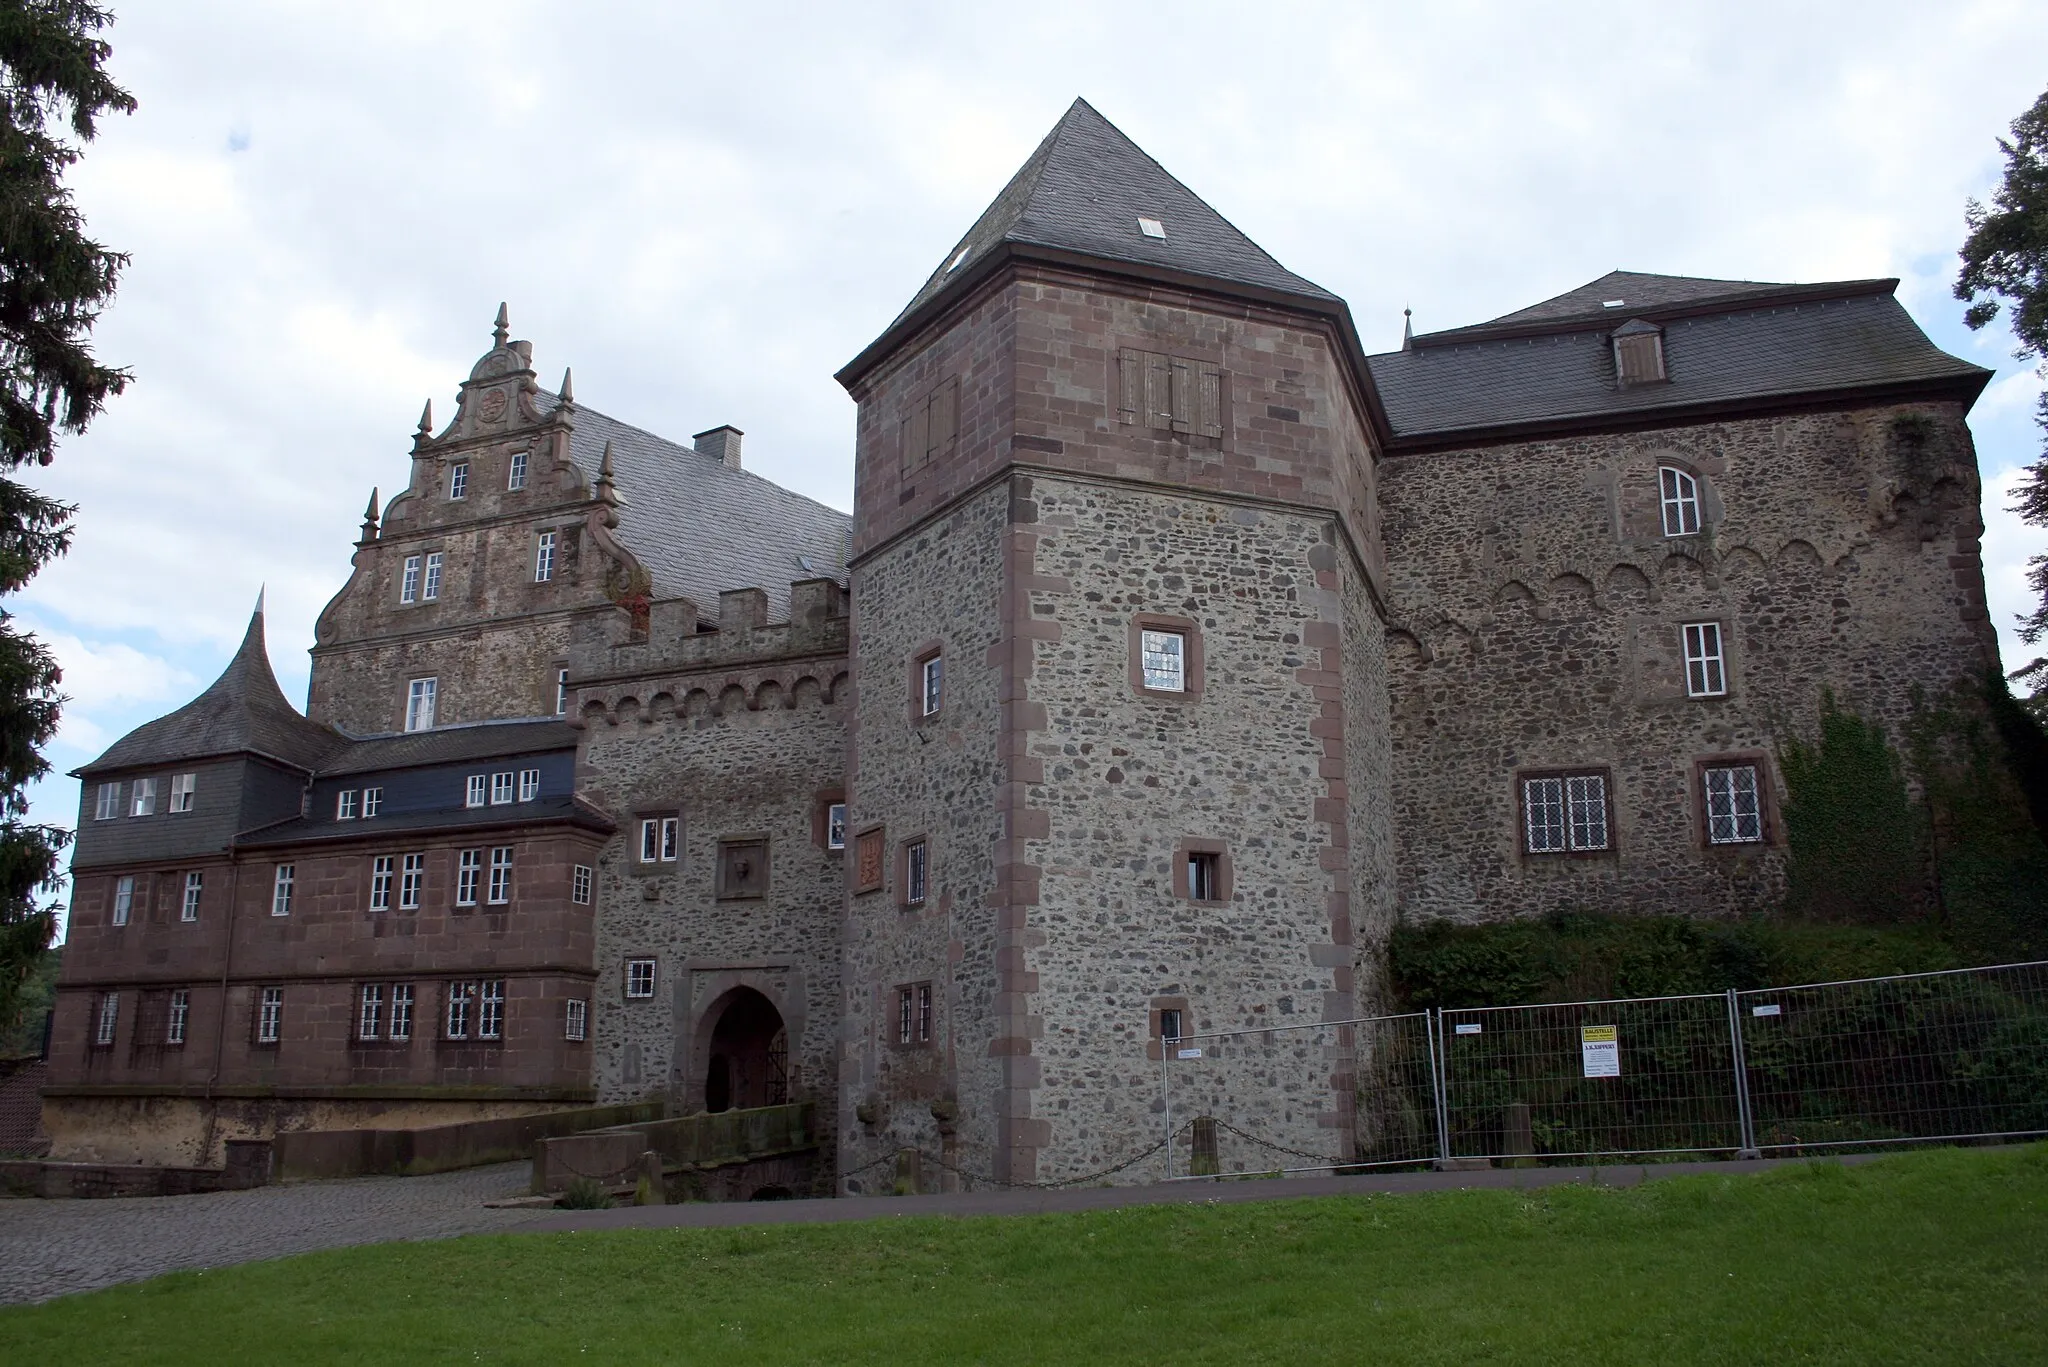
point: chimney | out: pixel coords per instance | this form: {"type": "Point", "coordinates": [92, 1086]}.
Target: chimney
{"type": "Point", "coordinates": [721, 444]}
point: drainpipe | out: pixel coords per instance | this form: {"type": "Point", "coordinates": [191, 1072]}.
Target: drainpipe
{"type": "Point", "coordinates": [220, 1033]}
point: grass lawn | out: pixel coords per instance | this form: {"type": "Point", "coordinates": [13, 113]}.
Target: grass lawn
{"type": "Point", "coordinates": [1923, 1257]}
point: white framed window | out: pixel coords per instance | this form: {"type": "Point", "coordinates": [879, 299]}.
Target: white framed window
{"type": "Point", "coordinates": [1564, 813]}
{"type": "Point", "coordinates": [1734, 804]}
{"type": "Point", "coordinates": [931, 684]}
{"type": "Point", "coordinates": [916, 860]}
{"type": "Point", "coordinates": [576, 1020]}
{"type": "Point", "coordinates": [270, 1016]}
{"type": "Point", "coordinates": [501, 789]}
{"type": "Point", "coordinates": [905, 1014]}
{"type": "Point", "coordinates": [124, 899]}
{"type": "Point", "coordinates": [1706, 672]}
{"type": "Point", "coordinates": [1164, 659]}
{"type": "Point", "coordinates": [490, 1010]}
{"type": "Point", "coordinates": [468, 869]}
{"type": "Point", "coordinates": [180, 1013]}
{"type": "Point", "coordinates": [108, 1019]}
{"type": "Point", "coordinates": [345, 805]}
{"type": "Point", "coordinates": [195, 884]}
{"type": "Point", "coordinates": [380, 883]}
{"type": "Point", "coordinates": [529, 784]}
{"type": "Point", "coordinates": [419, 704]}
{"type": "Point", "coordinates": [183, 786]}
{"type": "Point", "coordinates": [412, 875]}
{"type": "Point", "coordinates": [455, 1020]}
{"type": "Point", "coordinates": [401, 1011]}
{"type": "Point", "coordinates": [373, 802]}
{"type": "Point", "coordinates": [579, 885]}
{"type": "Point", "coordinates": [370, 1013]}
{"type": "Point", "coordinates": [1679, 495]}
{"type": "Point", "coordinates": [144, 801]}
{"type": "Point", "coordinates": [544, 558]}
{"type": "Point", "coordinates": [515, 474]}
{"type": "Point", "coordinates": [835, 826]}
{"type": "Point", "coordinates": [501, 875]}
{"type": "Point", "coordinates": [409, 581]}
{"type": "Point", "coordinates": [639, 979]}
{"type": "Point", "coordinates": [430, 586]}
{"type": "Point", "coordinates": [477, 791]}
{"type": "Point", "coordinates": [561, 692]}
{"type": "Point", "coordinates": [107, 803]}
{"type": "Point", "coordinates": [281, 890]}
{"type": "Point", "coordinates": [458, 479]}
{"type": "Point", "coordinates": [659, 839]}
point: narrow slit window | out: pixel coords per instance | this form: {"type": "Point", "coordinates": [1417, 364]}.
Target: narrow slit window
{"type": "Point", "coordinates": [906, 1019]}
{"type": "Point", "coordinates": [1734, 805]}
{"type": "Point", "coordinates": [561, 692]}
{"type": "Point", "coordinates": [1706, 671]}
{"type": "Point", "coordinates": [124, 899]}
{"type": "Point", "coordinates": [931, 676]}
{"type": "Point", "coordinates": [181, 1012]}
{"type": "Point", "coordinates": [109, 1019]}
{"type": "Point", "coordinates": [835, 826]}
{"type": "Point", "coordinates": [924, 1013]}
{"type": "Point", "coordinates": [1680, 497]}
{"type": "Point", "coordinates": [270, 1016]}
{"type": "Point", "coordinates": [916, 872]}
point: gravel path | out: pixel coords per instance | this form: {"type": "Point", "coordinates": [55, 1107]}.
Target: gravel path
{"type": "Point", "coordinates": [53, 1248]}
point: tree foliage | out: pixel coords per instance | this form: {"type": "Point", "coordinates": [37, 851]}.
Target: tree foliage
{"type": "Point", "coordinates": [54, 280]}
{"type": "Point", "coordinates": [2005, 269]}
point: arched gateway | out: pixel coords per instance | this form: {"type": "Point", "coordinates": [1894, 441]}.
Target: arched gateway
{"type": "Point", "coordinates": [748, 1063]}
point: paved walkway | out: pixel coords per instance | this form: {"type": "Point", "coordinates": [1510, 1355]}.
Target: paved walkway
{"type": "Point", "coordinates": [53, 1248]}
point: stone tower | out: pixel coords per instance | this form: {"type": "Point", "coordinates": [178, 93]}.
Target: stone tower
{"type": "Point", "coordinates": [1119, 746]}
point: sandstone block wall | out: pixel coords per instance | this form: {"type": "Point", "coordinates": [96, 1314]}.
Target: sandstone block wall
{"type": "Point", "coordinates": [1536, 610]}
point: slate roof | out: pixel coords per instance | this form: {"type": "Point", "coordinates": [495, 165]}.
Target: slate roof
{"type": "Point", "coordinates": [1759, 344]}
{"type": "Point", "coordinates": [305, 829]}
{"type": "Point", "coordinates": [701, 527]}
{"type": "Point", "coordinates": [451, 745]}
{"type": "Point", "coordinates": [1084, 190]}
{"type": "Point", "coordinates": [242, 712]}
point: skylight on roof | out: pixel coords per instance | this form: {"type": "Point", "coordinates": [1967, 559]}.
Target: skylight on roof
{"type": "Point", "coordinates": [1152, 227]}
{"type": "Point", "coordinates": [1612, 303]}
{"type": "Point", "coordinates": [954, 264]}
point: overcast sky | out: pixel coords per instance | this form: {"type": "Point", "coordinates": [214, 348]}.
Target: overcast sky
{"type": "Point", "coordinates": [707, 209]}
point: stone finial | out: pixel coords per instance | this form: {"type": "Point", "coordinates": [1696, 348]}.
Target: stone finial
{"type": "Point", "coordinates": [568, 387]}
{"type": "Point", "coordinates": [426, 428]}
{"type": "Point", "coordinates": [370, 518]}
{"type": "Point", "coordinates": [606, 493]}
{"type": "Point", "coordinates": [1407, 329]}
{"type": "Point", "coordinates": [503, 328]}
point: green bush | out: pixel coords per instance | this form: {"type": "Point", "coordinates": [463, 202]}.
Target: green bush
{"type": "Point", "coordinates": [586, 1193]}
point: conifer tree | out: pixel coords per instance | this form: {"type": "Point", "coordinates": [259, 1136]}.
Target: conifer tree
{"type": "Point", "coordinates": [54, 280]}
{"type": "Point", "coordinates": [2005, 258]}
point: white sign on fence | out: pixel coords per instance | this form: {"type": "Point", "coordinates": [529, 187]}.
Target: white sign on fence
{"type": "Point", "coordinates": [1600, 1050]}
{"type": "Point", "coordinates": [1468, 1029]}
{"type": "Point", "coordinates": [1768, 1009]}
{"type": "Point", "coordinates": [1189, 1053]}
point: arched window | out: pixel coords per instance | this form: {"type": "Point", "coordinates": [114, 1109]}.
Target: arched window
{"type": "Point", "coordinates": [1680, 495]}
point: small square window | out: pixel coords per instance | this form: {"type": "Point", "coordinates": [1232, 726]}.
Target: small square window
{"type": "Point", "coordinates": [430, 587]}
{"type": "Point", "coordinates": [281, 889]}
{"type": "Point", "coordinates": [373, 802]}
{"type": "Point", "coordinates": [107, 803]}
{"type": "Point", "coordinates": [1204, 880]}
{"type": "Point", "coordinates": [916, 872]}
{"type": "Point", "coordinates": [501, 788]}
{"type": "Point", "coordinates": [124, 899]}
{"type": "Point", "coordinates": [345, 805]}
{"type": "Point", "coordinates": [381, 869]}
{"type": "Point", "coordinates": [180, 1013]}
{"type": "Point", "coordinates": [144, 803]}
{"type": "Point", "coordinates": [576, 1022]}
{"type": "Point", "coordinates": [835, 826]}
{"type": "Point", "coordinates": [183, 786]}
{"type": "Point", "coordinates": [419, 704]}
{"type": "Point", "coordinates": [742, 868]}
{"type": "Point", "coordinates": [660, 839]}
{"type": "Point", "coordinates": [1565, 814]}
{"type": "Point", "coordinates": [401, 1011]}
{"type": "Point", "coordinates": [529, 784]}
{"type": "Point", "coordinates": [1165, 661]}
{"type": "Point", "coordinates": [1170, 1025]}
{"type": "Point", "coordinates": [515, 474]}
{"type": "Point", "coordinates": [458, 479]}
{"type": "Point", "coordinates": [409, 581]}
{"type": "Point", "coordinates": [195, 883]}
{"type": "Point", "coordinates": [931, 681]}
{"type": "Point", "coordinates": [501, 875]}
{"type": "Point", "coordinates": [579, 885]}
{"type": "Point", "coordinates": [639, 979]}
{"type": "Point", "coordinates": [270, 1016]}
{"type": "Point", "coordinates": [1706, 672]}
{"type": "Point", "coordinates": [468, 871]}
{"type": "Point", "coordinates": [1734, 805]}
{"type": "Point", "coordinates": [477, 791]}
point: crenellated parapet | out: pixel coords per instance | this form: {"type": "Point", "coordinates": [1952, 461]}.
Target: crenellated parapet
{"type": "Point", "coordinates": [685, 665]}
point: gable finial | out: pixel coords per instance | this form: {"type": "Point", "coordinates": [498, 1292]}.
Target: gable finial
{"type": "Point", "coordinates": [427, 419]}
{"type": "Point", "coordinates": [606, 493]}
{"type": "Point", "coordinates": [1407, 329]}
{"type": "Point", "coordinates": [500, 332]}
{"type": "Point", "coordinates": [568, 387]}
{"type": "Point", "coordinates": [370, 517]}
{"type": "Point", "coordinates": [260, 588]}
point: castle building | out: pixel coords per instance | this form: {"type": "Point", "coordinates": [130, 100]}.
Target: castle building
{"type": "Point", "coordinates": [1175, 650]}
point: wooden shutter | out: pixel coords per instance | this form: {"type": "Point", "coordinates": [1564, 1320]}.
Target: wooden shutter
{"type": "Point", "coordinates": [1130, 374]}
{"type": "Point", "coordinates": [945, 419]}
{"type": "Point", "coordinates": [1185, 398]}
{"type": "Point", "coordinates": [1641, 358]}
{"type": "Point", "coordinates": [1158, 390]}
{"type": "Point", "coordinates": [1209, 401]}
{"type": "Point", "coordinates": [915, 428]}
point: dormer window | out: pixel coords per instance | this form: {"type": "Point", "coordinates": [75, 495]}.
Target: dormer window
{"type": "Point", "coordinates": [1639, 353]}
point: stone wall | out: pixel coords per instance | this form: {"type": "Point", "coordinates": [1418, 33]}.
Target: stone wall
{"type": "Point", "coordinates": [1536, 614]}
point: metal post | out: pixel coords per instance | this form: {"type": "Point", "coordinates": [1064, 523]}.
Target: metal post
{"type": "Point", "coordinates": [1434, 1023]}
{"type": "Point", "coordinates": [1166, 1095]}
{"type": "Point", "coordinates": [1745, 1123]}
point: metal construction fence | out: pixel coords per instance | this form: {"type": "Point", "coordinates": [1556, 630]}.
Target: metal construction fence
{"type": "Point", "coordinates": [1911, 1059]}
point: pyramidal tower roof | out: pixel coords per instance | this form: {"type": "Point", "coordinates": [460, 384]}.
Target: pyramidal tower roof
{"type": "Point", "coordinates": [1090, 192]}
{"type": "Point", "coordinates": [243, 712]}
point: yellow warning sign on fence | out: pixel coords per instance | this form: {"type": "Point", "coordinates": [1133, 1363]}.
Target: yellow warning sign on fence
{"type": "Point", "coordinates": [1600, 1050]}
